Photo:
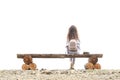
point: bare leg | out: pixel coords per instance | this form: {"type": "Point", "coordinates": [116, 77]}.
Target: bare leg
{"type": "Point", "coordinates": [72, 60]}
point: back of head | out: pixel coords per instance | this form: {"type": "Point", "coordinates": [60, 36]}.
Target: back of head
{"type": "Point", "coordinates": [72, 33]}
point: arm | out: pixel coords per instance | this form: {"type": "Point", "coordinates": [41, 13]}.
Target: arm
{"type": "Point", "coordinates": [67, 48]}
{"type": "Point", "coordinates": [78, 44]}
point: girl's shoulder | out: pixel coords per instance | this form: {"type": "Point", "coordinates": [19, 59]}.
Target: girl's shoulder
{"type": "Point", "coordinates": [78, 40]}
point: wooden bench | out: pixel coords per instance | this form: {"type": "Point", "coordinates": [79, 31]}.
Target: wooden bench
{"type": "Point", "coordinates": [84, 55]}
{"type": "Point", "coordinates": [60, 55]}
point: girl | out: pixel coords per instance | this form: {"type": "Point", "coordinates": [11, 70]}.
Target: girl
{"type": "Point", "coordinates": [72, 34]}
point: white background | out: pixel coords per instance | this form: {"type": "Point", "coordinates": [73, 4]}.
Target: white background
{"type": "Point", "coordinates": [41, 26]}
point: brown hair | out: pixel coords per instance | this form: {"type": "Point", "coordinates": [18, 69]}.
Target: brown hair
{"type": "Point", "coordinates": [72, 33]}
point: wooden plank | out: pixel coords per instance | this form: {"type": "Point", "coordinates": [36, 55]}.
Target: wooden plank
{"type": "Point", "coordinates": [60, 55]}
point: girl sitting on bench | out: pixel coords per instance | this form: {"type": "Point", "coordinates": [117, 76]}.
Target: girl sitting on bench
{"type": "Point", "coordinates": [73, 44]}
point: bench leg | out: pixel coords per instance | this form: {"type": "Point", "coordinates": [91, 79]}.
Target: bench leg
{"type": "Point", "coordinates": [92, 63]}
{"type": "Point", "coordinates": [28, 63]}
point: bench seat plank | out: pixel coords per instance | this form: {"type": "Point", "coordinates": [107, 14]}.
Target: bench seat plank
{"type": "Point", "coordinates": [60, 55]}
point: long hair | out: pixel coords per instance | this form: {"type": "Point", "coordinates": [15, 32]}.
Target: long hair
{"type": "Point", "coordinates": [72, 33]}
